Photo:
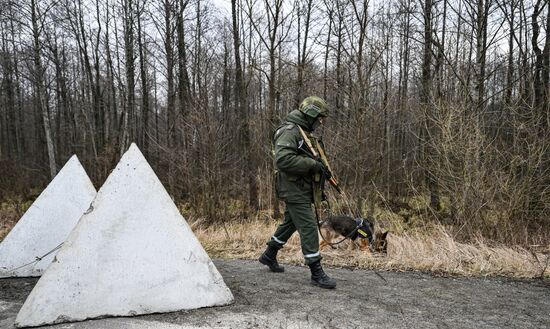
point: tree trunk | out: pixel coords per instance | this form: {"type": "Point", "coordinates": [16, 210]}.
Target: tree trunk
{"type": "Point", "coordinates": [144, 84]}
{"type": "Point", "coordinates": [543, 111]}
{"type": "Point", "coordinates": [129, 111]}
{"type": "Point", "coordinates": [510, 71]}
{"type": "Point", "coordinates": [327, 52]}
{"type": "Point", "coordinates": [171, 97]}
{"type": "Point", "coordinates": [40, 89]}
{"type": "Point", "coordinates": [110, 115]}
{"type": "Point", "coordinates": [242, 108]}
{"type": "Point", "coordinates": [184, 89]}
{"type": "Point", "coordinates": [302, 53]}
{"type": "Point", "coordinates": [426, 101]}
{"type": "Point", "coordinates": [481, 48]}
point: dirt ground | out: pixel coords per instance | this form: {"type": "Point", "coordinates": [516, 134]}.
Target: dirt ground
{"type": "Point", "coordinates": [363, 299]}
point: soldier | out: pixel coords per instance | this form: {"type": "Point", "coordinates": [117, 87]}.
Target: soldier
{"type": "Point", "coordinates": [297, 182]}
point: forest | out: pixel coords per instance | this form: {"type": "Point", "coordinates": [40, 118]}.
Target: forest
{"type": "Point", "coordinates": [445, 101]}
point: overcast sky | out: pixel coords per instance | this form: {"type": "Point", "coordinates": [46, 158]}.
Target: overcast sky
{"type": "Point", "coordinates": [223, 5]}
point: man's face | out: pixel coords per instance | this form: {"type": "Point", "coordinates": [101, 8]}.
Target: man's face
{"type": "Point", "coordinates": [318, 121]}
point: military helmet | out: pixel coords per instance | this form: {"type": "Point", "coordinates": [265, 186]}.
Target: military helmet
{"type": "Point", "coordinates": [314, 106]}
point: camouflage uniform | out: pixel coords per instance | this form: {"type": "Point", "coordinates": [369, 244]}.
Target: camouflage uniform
{"type": "Point", "coordinates": [298, 184]}
{"type": "Point", "coordinates": [294, 185]}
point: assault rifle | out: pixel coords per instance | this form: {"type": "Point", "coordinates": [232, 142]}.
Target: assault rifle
{"type": "Point", "coordinates": [321, 156]}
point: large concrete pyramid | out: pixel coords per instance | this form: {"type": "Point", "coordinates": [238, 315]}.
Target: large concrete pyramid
{"type": "Point", "coordinates": [133, 253]}
{"type": "Point", "coordinates": [47, 223]}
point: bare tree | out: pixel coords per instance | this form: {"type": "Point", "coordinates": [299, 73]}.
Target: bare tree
{"type": "Point", "coordinates": [446, 101]}
{"type": "Point", "coordinates": [542, 60]}
{"type": "Point", "coordinates": [129, 107]}
{"type": "Point", "coordinates": [426, 99]}
{"type": "Point", "coordinates": [39, 85]}
{"type": "Point", "coordinates": [143, 68]}
{"type": "Point", "coordinates": [304, 6]}
{"type": "Point", "coordinates": [242, 109]}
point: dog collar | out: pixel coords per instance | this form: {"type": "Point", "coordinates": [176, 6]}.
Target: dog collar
{"type": "Point", "coordinates": [359, 223]}
{"type": "Point", "coordinates": [359, 231]}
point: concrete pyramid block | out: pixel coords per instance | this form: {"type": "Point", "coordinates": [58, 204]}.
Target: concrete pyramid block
{"type": "Point", "coordinates": [133, 253]}
{"type": "Point", "coordinates": [47, 223]}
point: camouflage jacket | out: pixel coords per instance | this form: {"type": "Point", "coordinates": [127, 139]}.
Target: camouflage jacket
{"type": "Point", "coordinates": [293, 167]}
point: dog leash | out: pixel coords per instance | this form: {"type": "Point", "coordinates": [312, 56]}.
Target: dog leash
{"type": "Point", "coordinates": [332, 245]}
{"type": "Point", "coordinates": [320, 154]}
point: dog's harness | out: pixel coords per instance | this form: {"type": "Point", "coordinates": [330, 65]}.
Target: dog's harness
{"type": "Point", "coordinates": [359, 222]}
{"type": "Point", "coordinates": [319, 155]}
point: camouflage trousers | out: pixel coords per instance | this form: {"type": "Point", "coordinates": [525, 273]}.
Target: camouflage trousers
{"type": "Point", "coordinates": [299, 217]}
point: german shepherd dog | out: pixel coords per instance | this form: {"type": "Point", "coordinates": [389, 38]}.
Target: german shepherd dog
{"type": "Point", "coordinates": [360, 231]}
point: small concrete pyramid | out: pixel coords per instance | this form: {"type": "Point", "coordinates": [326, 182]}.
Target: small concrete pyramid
{"type": "Point", "coordinates": [47, 223]}
{"type": "Point", "coordinates": [133, 253]}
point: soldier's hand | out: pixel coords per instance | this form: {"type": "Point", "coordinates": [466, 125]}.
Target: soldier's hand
{"type": "Point", "coordinates": [327, 173]}
{"type": "Point", "coordinates": [318, 168]}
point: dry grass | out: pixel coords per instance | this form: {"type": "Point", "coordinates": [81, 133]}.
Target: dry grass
{"type": "Point", "coordinates": [437, 252]}
{"type": "Point", "coordinates": [10, 212]}
{"type": "Point", "coordinates": [431, 249]}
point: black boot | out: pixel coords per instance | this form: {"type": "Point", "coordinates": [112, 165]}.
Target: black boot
{"type": "Point", "coordinates": [269, 258]}
{"type": "Point", "coordinates": [319, 278]}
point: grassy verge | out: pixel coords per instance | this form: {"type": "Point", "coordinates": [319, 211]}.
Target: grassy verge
{"type": "Point", "coordinates": [437, 252]}
{"type": "Point", "coordinates": [10, 212]}
{"type": "Point", "coordinates": [430, 249]}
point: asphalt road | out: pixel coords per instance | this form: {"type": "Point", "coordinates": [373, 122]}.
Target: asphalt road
{"type": "Point", "coordinates": [363, 299]}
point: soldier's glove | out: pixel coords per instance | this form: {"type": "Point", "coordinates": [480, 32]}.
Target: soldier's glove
{"type": "Point", "coordinates": [327, 173]}
{"type": "Point", "coordinates": [318, 168]}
